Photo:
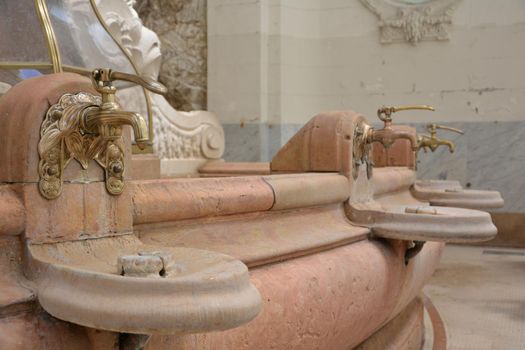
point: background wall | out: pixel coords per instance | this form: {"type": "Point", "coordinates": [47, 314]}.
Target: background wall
{"type": "Point", "coordinates": [181, 27]}
{"type": "Point", "coordinates": [273, 65]}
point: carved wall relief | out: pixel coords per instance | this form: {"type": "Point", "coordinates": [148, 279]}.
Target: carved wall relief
{"type": "Point", "coordinates": [412, 20]}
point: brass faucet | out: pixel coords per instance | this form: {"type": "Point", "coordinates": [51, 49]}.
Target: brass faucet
{"type": "Point", "coordinates": [86, 127]}
{"type": "Point", "coordinates": [388, 135]}
{"type": "Point", "coordinates": [432, 142]}
{"type": "Point", "coordinates": [107, 118]}
{"type": "Point", "coordinates": [365, 135]}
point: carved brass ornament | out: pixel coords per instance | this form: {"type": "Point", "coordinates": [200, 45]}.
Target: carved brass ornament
{"type": "Point", "coordinates": [85, 127]}
{"type": "Point", "coordinates": [432, 142]}
{"type": "Point", "coordinates": [62, 138]}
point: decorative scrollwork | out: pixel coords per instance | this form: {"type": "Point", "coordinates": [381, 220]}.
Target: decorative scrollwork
{"type": "Point", "coordinates": [114, 167]}
{"type": "Point", "coordinates": [62, 139]}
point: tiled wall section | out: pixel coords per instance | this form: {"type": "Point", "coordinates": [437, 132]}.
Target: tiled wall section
{"type": "Point", "coordinates": [491, 155]}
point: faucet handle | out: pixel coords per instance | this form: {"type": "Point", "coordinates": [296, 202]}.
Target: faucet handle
{"type": "Point", "coordinates": [102, 79]}
{"type": "Point", "coordinates": [148, 83]}
{"type": "Point", "coordinates": [385, 113]}
{"type": "Point", "coordinates": [433, 127]}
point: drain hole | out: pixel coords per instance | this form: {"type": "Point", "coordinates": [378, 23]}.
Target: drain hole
{"type": "Point", "coordinates": [162, 273]}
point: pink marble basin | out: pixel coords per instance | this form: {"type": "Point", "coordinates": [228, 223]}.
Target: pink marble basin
{"type": "Point", "coordinates": [451, 194]}
{"type": "Point", "coordinates": [149, 290]}
{"type": "Point", "coordinates": [394, 212]}
{"type": "Point", "coordinates": [439, 184]}
{"type": "Point", "coordinates": [425, 223]}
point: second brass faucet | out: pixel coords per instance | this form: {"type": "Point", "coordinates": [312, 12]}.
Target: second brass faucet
{"type": "Point", "coordinates": [388, 135]}
{"type": "Point", "coordinates": [365, 135]}
{"type": "Point", "coordinates": [432, 142]}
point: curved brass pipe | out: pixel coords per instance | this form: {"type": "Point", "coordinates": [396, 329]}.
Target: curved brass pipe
{"type": "Point", "coordinates": [385, 113]}
{"type": "Point", "coordinates": [150, 84]}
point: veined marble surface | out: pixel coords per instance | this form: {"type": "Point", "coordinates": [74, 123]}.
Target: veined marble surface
{"type": "Point", "coordinates": [490, 156]}
{"type": "Point", "coordinates": [256, 142]}
{"type": "Point", "coordinates": [182, 28]}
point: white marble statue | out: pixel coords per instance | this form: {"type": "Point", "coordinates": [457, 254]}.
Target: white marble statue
{"type": "Point", "coordinates": [183, 140]}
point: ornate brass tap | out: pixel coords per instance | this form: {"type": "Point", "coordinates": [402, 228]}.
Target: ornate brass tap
{"type": "Point", "coordinates": [432, 142]}
{"type": "Point", "coordinates": [365, 135]}
{"type": "Point", "coordinates": [86, 127]}
{"type": "Point", "coordinates": [387, 135]}
{"type": "Point", "coordinates": [109, 113]}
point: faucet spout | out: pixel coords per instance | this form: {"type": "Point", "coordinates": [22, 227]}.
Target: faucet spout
{"type": "Point", "coordinates": [449, 144]}
{"type": "Point", "coordinates": [388, 135]}
{"type": "Point", "coordinates": [99, 121]}
{"type": "Point", "coordinates": [432, 142]}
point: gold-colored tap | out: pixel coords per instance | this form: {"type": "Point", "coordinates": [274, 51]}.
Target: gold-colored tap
{"type": "Point", "coordinates": [86, 127]}
{"type": "Point", "coordinates": [432, 142]}
{"type": "Point", "coordinates": [108, 115]}
{"type": "Point", "coordinates": [365, 135]}
{"type": "Point", "coordinates": [387, 135]}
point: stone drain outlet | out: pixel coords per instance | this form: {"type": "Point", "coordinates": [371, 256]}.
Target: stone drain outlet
{"type": "Point", "coordinates": [147, 264]}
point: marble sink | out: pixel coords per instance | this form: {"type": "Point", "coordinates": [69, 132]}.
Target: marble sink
{"type": "Point", "coordinates": [78, 257]}
{"type": "Point", "coordinates": [450, 193]}
{"type": "Point", "coordinates": [163, 290]}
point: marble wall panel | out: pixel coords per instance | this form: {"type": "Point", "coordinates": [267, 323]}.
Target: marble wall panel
{"type": "Point", "coordinates": [496, 160]}
{"type": "Point", "coordinates": [181, 27]}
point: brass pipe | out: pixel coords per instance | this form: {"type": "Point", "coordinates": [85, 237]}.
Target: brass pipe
{"type": "Point", "coordinates": [51, 40]}
{"type": "Point", "coordinates": [150, 84]}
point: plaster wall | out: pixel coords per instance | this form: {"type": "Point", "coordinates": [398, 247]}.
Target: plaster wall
{"type": "Point", "coordinates": [272, 65]}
